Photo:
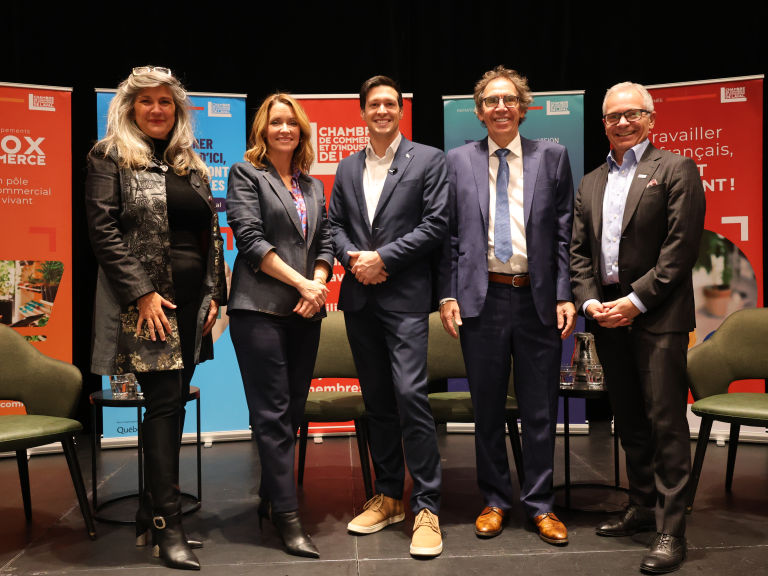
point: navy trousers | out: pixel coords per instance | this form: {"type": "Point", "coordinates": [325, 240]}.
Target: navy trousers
{"type": "Point", "coordinates": [509, 326]}
{"type": "Point", "coordinates": [390, 353]}
{"type": "Point", "coordinates": [276, 355]}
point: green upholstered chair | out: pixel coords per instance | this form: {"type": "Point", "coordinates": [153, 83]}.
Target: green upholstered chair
{"type": "Point", "coordinates": [50, 390]}
{"type": "Point", "coordinates": [334, 360]}
{"type": "Point", "coordinates": [445, 360]}
{"type": "Point", "coordinates": [736, 351]}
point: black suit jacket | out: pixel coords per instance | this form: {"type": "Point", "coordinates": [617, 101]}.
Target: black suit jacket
{"type": "Point", "coordinates": [263, 217]}
{"type": "Point", "coordinates": [660, 239]}
{"type": "Point", "coordinates": [410, 221]}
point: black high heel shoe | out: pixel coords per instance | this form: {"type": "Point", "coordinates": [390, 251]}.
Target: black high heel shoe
{"type": "Point", "coordinates": [144, 526]}
{"type": "Point", "coordinates": [290, 530]}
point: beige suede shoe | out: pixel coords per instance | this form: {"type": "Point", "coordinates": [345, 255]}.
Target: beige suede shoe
{"type": "Point", "coordinates": [427, 540]}
{"type": "Point", "coordinates": [379, 512]}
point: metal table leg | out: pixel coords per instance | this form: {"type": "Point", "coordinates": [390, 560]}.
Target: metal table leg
{"type": "Point", "coordinates": [566, 431]}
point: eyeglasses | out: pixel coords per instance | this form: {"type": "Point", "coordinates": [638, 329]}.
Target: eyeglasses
{"type": "Point", "coordinates": [631, 116]}
{"type": "Point", "coordinates": [147, 69]}
{"type": "Point", "coordinates": [510, 101]}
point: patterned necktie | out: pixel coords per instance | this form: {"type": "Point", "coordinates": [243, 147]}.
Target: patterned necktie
{"type": "Point", "coordinates": [502, 235]}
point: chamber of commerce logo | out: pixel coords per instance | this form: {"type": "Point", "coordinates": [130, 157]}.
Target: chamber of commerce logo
{"type": "Point", "coordinates": [737, 94]}
{"type": "Point", "coordinates": [41, 103]}
{"type": "Point", "coordinates": [219, 110]}
{"type": "Point", "coordinates": [557, 108]}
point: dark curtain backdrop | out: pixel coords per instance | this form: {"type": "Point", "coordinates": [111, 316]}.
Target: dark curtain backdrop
{"type": "Point", "coordinates": [325, 47]}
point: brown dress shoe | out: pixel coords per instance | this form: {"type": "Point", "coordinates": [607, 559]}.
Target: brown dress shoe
{"type": "Point", "coordinates": [490, 523]}
{"type": "Point", "coordinates": [551, 530]}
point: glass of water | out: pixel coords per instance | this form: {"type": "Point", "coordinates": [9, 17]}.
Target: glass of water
{"type": "Point", "coordinates": [123, 386]}
{"type": "Point", "coordinates": [567, 375]}
{"type": "Point", "coordinates": [595, 376]}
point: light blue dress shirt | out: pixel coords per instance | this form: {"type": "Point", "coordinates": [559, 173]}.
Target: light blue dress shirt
{"type": "Point", "coordinates": [614, 202]}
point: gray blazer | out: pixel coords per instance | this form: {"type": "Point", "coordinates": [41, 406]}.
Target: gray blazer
{"type": "Point", "coordinates": [263, 217]}
{"type": "Point", "coordinates": [660, 239]}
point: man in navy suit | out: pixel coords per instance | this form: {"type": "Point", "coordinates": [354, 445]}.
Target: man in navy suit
{"type": "Point", "coordinates": [389, 212]}
{"type": "Point", "coordinates": [504, 279]}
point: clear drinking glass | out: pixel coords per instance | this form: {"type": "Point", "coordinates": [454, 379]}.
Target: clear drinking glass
{"type": "Point", "coordinates": [595, 377]}
{"type": "Point", "coordinates": [567, 375]}
{"type": "Point", "coordinates": [123, 386]}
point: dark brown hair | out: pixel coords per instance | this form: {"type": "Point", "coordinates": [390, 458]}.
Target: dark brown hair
{"type": "Point", "coordinates": [375, 82]}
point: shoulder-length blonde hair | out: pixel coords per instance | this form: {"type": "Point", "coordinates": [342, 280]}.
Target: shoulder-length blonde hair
{"type": "Point", "coordinates": [303, 155]}
{"type": "Point", "coordinates": [134, 148]}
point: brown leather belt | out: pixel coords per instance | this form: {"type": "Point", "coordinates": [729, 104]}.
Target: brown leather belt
{"type": "Point", "coordinates": [518, 280]}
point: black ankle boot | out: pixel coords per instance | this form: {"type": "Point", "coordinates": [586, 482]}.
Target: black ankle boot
{"type": "Point", "coordinates": [144, 525]}
{"type": "Point", "coordinates": [288, 526]}
{"type": "Point", "coordinates": [161, 451]}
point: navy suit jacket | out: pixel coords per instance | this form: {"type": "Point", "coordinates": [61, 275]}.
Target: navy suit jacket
{"type": "Point", "coordinates": [548, 209]}
{"type": "Point", "coordinates": [410, 222]}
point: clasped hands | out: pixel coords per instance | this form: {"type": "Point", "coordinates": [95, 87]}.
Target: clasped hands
{"type": "Point", "coordinates": [614, 314]}
{"type": "Point", "coordinates": [368, 267]}
{"type": "Point", "coordinates": [313, 295]}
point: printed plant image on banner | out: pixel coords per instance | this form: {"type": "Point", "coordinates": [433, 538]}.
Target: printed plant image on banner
{"type": "Point", "coordinates": [338, 131]}
{"type": "Point", "coordinates": [717, 123]}
{"type": "Point", "coordinates": [554, 116]}
{"type": "Point", "coordinates": [220, 131]}
{"type": "Point", "coordinates": [36, 219]}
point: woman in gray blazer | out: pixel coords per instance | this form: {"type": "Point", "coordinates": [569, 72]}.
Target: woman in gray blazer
{"type": "Point", "coordinates": [277, 299]}
{"type": "Point", "coordinates": [155, 233]}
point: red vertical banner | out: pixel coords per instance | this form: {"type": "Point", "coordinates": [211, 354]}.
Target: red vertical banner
{"type": "Point", "coordinates": [338, 131]}
{"type": "Point", "coordinates": [718, 123]}
{"type": "Point", "coordinates": [36, 217]}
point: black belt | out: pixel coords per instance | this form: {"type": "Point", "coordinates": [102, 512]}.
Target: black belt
{"type": "Point", "coordinates": [612, 292]}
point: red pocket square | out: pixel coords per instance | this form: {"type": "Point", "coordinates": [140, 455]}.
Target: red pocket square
{"type": "Point", "coordinates": [652, 183]}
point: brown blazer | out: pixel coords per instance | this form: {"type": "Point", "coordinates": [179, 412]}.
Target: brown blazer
{"type": "Point", "coordinates": [660, 239]}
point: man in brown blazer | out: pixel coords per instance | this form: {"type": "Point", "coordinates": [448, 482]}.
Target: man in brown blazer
{"type": "Point", "coordinates": [637, 227]}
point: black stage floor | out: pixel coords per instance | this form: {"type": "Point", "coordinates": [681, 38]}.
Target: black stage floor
{"type": "Point", "coordinates": [727, 533]}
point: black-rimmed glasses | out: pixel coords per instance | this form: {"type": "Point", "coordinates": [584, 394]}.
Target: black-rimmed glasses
{"type": "Point", "coordinates": [631, 115]}
{"type": "Point", "coordinates": [510, 101]}
{"type": "Point", "coordinates": [147, 69]}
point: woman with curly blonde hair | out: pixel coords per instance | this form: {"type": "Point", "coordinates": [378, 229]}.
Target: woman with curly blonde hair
{"type": "Point", "coordinates": [155, 232]}
{"type": "Point", "coordinates": [285, 253]}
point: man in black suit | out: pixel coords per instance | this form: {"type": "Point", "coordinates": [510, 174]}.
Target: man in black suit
{"type": "Point", "coordinates": [388, 212]}
{"type": "Point", "coordinates": [636, 232]}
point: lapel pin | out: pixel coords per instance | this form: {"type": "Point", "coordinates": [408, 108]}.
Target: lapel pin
{"type": "Point", "coordinates": [642, 175]}
{"type": "Point", "coordinates": [407, 155]}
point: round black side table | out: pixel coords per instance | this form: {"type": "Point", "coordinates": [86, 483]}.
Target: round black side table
{"type": "Point", "coordinates": [579, 390]}
{"type": "Point", "coordinates": [103, 398]}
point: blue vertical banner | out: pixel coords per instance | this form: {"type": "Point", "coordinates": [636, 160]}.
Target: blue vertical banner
{"type": "Point", "coordinates": [554, 116]}
{"type": "Point", "coordinates": [220, 131]}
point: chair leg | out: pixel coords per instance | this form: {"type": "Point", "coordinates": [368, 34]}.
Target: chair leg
{"type": "Point", "coordinates": [21, 461]}
{"type": "Point", "coordinates": [698, 460]}
{"type": "Point", "coordinates": [362, 448]}
{"type": "Point", "coordinates": [303, 435]}
{"type": "Point", "coordinates": [77, 480]}
{"type": "Point", "coordinates": [517, 447]}
{"type": "Point", "coordinates": [733, 446]}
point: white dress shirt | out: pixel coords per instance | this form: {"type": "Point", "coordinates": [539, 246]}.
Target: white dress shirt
{"type": "Point", "coordinates": [614, 202]}
{"type": "Point", "coordinates": [375, 173]}
{"type": "Point", "coordinates": [518, 264]}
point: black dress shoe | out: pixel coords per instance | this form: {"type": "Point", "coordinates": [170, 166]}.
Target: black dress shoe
{"type": "Point", "coordinates": [631, 520]}
{"type": "Point", "coordinates": [666, 555]}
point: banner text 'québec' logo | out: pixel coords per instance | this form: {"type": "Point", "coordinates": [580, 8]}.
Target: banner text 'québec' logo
{"type": "Point", "coordinates": [44, 103]}
{"type": "Point", "coordinates": [219, 110]}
